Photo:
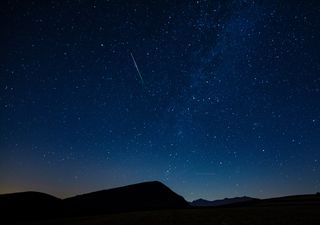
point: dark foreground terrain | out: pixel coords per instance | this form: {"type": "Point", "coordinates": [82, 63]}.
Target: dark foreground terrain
{"type": "Point", "coordinates": [264, 215]}
{"type": "Point", "coordinates": [153, 203]}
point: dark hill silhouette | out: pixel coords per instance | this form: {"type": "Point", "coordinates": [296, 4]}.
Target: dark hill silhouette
{"type": "Point", "coordinates": [227, 201]}
{"type": "Point", "coordinates": [18, 208]}
{"type": "Point", "coordinates": [292, 200]}
{"type": "Point", "coordinates": [23, 200]}
{"type": "Point", "coordinates": [28, 205]}
{"type": "Point", "coordinates": [142, 196]}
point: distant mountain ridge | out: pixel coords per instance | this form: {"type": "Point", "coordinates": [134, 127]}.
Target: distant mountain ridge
{"type": "Point", "coordinates": [227, 201]}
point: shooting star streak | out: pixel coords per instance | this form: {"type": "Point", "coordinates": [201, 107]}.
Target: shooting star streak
{"type": "Point", "coordinates": [135, 64]}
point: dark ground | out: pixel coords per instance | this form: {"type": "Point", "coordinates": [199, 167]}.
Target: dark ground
{"type": "Point", "coordinates": [288, 210]}
{"type": "Point", "coordinates": [266, 215]}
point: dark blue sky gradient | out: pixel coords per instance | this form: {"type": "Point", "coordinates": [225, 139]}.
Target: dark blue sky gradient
{"type": "Point", "coordinates": [229, 106]}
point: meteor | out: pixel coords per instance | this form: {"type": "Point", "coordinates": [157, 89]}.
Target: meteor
{"type": "Point", "coordinates": [135, 65]}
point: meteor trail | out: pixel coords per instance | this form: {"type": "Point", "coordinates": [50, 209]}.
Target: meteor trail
{"type": "Point", "coordinates": [135, 64]}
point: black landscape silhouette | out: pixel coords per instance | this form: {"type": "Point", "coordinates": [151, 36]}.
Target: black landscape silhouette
{"type": "Point", "coordinates": [227, 201]}
{"type": "Point", "coordinates": [28, 205]}
{"type": "Point", "coordinates": [142, 196]}
{"type": "Point", "coordinates": [154, 203]}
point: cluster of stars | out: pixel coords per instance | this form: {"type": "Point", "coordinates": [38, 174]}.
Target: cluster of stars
{"type": "Point", "coordinates": [230, 95]}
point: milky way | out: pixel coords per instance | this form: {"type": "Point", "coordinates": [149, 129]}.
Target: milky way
{"type": "Point", "coordinates": [229, 103]}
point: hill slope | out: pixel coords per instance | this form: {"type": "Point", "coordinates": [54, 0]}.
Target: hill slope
{"type": "Point", "coordinates": [142, 196]}
{"type": "Point", "coordinates": [29, 205]}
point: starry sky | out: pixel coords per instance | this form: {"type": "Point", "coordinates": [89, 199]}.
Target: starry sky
{"type": "Point", "coordinates": [214, 98]}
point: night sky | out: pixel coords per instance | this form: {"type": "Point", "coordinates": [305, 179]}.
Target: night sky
{"type": "Point", "coordinates": [223, 101]}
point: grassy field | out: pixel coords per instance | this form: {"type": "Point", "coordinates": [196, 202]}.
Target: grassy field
{"type": "Point", "coordinates": [268, 215]}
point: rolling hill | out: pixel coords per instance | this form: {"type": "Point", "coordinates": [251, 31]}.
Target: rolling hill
{"type": "Point", "coordinates": [154, 203]}
{"type": "Point", "coordinates": [136, 197]}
